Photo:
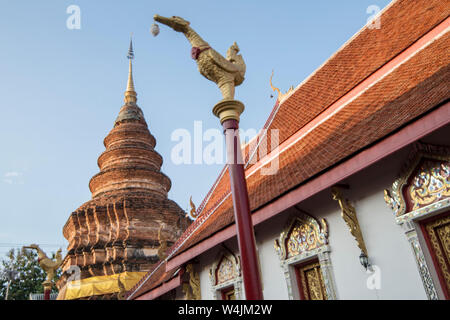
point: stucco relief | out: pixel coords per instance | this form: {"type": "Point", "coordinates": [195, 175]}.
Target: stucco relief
{"type": "Point", "coordinates": [225, 273]}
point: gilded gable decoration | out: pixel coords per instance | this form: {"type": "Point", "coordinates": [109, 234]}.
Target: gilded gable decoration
{"type": "Point", "coordinates": [303, 239]}
{"type": "Point", "coordinates": [225, 269]}
{"type": "Point", "coordinates": [303, 233]}
{"type": "Point", "coordinates": [226, 272]}
{"type": "Point", "coordinates": [425, 179]}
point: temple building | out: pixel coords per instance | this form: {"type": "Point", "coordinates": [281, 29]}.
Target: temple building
{"type": "Point", "coordinates": [122, 232]}
{"type": "Point", "coordinates": [358, 206]}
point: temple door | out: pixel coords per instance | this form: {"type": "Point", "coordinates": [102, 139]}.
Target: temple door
{"type": "Point", "coordinates": [436, 231]}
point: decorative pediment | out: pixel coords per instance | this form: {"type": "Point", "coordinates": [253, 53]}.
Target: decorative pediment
{"type": "Point", "coordinates": [225, 269]}
{"type": "Point", "coordinates": [425, 179]}
{"type": "Point", "coordinates": [303, 233]}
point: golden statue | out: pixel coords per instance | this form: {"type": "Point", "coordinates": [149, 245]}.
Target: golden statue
{"type": "Point", "coordinates": [225, 72]}
{"type": "Point", "coordinates": [192, 289]}
{"type": "Point", "coordinates": [48, 265]}
{"type": "Point", "coordinates": [348, 213]}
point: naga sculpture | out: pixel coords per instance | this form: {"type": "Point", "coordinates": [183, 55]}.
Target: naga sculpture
{"type": "Point", "coordinates": [48, 265]}
{"type": "Point", "coordinates": [192, 289]}
{"type": "Point", "coordinates": [225, 72]}
{"type": "Point", "coordinates": [348, 213]}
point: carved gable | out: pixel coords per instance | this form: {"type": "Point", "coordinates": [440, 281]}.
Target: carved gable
{"type": "Point", "coordinates": [425, 180]}
{"type": "Point", "coordinates": [303, 233]}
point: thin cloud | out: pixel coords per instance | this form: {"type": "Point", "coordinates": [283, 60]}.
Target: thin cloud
{"type": "Point", "coordinates": [12, 177]}
{"type": "Point", "coordinates": [13, 174]}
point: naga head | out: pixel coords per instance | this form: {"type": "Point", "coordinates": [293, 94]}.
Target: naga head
{"type": "Point", "coordinates": [232, 51]}
{"type": "Point", "coordinates": [234, 47]}
{"type": "Point", "coordinates": [176, 23]}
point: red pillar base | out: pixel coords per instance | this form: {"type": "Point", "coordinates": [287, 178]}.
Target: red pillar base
{"type": "Point", "coordinates": [47, 289]}
{"type": "Point", "coordinates": [47, 294]}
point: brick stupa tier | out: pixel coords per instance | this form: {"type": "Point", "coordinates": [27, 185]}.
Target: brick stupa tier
{"type": "Point", "coordinates": [117, 230]}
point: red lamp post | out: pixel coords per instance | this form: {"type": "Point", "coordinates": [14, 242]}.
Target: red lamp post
{"type": "Point", "coordinates": [227, 73]}
{"type": "Point", "coordinates": [228, 111]}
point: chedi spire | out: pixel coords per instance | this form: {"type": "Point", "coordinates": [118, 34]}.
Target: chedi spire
{"type": "Point", "coordinates": [130, 93]}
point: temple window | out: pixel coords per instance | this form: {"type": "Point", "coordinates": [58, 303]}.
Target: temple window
{"type": "Point", "coordinates": [305, 258]}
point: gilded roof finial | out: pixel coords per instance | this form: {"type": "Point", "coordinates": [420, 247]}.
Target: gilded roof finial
{"type": "Point", "coordinates": [130, 93]}
{"type": "Point", "coordinates": [281, 95]}
{"type": "Point", "coordinates": [193, 213]}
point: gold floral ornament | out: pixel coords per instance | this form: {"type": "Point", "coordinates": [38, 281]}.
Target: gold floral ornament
{"type": "Point", "coordinates": [425, 179]}
{"type": "Point", "coordinates": [303, 234]}
{"type": "Point", "coordinates": [430, 184]}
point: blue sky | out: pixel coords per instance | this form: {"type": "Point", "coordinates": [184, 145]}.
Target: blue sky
{"type": "Point", "coordinates": [62, 89]}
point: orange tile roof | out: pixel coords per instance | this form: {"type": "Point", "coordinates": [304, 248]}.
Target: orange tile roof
{"type": "Point", "coordinates": [404, 93]}
{"type": "Point", "coordinates": [318, 151]}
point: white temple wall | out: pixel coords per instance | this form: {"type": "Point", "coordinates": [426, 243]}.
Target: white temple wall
{"type": "Point", "coordinates": [386, 243]}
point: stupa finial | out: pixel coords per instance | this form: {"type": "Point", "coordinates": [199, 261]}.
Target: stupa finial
{"type": "Point", "coordinates": [130, 93]}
